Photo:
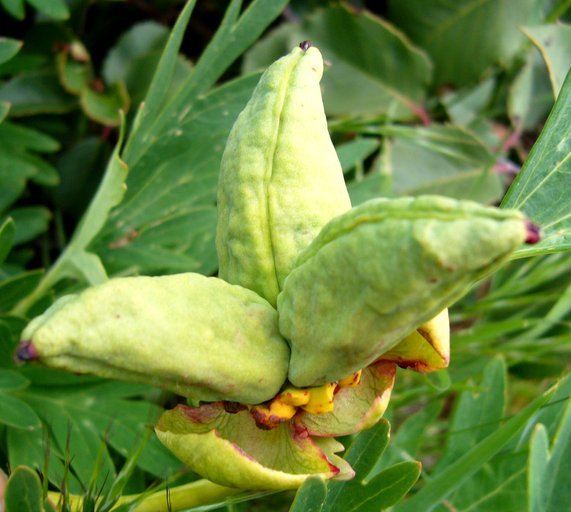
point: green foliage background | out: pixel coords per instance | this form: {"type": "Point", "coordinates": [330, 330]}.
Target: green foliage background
{"type": "Point", "coordinates": [431, 96]}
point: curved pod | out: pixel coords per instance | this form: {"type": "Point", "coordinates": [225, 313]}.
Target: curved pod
{"type": "Point", "coordinates": [197, 336]}
{"type": "Point", "coordinates": [280, 178]}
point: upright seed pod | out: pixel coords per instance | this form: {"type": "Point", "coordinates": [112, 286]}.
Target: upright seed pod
{"type": "Point", "coordinates": [280, 179]}
{"type": "Point", "coordinates": [376, 273]}
{"type": "Point", "coordinates": [197, 336]}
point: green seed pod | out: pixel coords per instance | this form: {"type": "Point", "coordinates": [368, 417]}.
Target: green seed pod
{"type": "Point", "coordinates": [376, 273]}
{"type": "Point", "coordinates": [280, 178]}
{"type": "Point", "coordinates": [197, 336]}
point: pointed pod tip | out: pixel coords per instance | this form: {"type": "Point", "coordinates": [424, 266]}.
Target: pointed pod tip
{"type": "Point", "coordinates": [26, 351]}
{"type": "Point", "coordinates": [533, 233]}
{"type": "Point", "coordinates": [305, 45]}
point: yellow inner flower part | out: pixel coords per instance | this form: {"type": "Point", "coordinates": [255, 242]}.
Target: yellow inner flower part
{"type": "Point", "coordinates": [317, 400]}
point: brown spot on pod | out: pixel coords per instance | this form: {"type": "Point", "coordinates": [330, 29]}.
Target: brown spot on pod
{"type": "Point", "coordinates": [233, 407]}
{"type": "Point", "coordinates": [305, 45]}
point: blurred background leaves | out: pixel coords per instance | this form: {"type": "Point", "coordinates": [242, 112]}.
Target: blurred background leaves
{"type": "Point", "coordinates": [422, 97]}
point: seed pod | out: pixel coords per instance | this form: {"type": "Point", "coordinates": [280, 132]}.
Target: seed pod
{"type": "Point", "coordinates": [376, 273]}
{"type": "Point", "coordinates": [197, 336]}
{"type": "Point", "coordinates": [280, 178]}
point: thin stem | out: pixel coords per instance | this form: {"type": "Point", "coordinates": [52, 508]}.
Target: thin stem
{"type": "Point", "coordinates": [52, 277]}
{"type": "Point", "coordinates": [182, 497]}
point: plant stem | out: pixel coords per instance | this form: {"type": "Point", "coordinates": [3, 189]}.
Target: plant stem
{"type": "Point", "coordinates": [52, 277]}
{"type": "Point", "coordinates": [182, 497]}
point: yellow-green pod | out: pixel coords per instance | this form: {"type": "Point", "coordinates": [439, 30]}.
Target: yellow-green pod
{"type": "Point", "coordinates": [280, 178]}
{"type": "Point", "coordinates": [197, 336]}
{"type": "Point", "coordinates": [378, 272]}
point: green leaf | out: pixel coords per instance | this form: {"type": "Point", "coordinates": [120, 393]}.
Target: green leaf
{"type": "Point", "coordinates": [156, 94]}
{"type": "Point", "coordinates": [15, 288]}
{"type": "Point", "coordinates": [21, 137]}
{"type": "Point", "coordinates": [442, 160]}
{"type": "Point", "coordinates": [91, 412]}
{"type": "Point", "coordinates": [173, 190]}
{"type": "Point", "coordinates": [387, 488]}
{"type": "Point", "coordinates": [560, 309]}
{"type": "Point", "coordinates": [465, 37]}
{"type": "Point", "coordinates": [28, 447]}
{"type": "Point", "coordinates": [24, 491]}
{"type": "Point", "coordinates": [7, 232]}
{"type": "Point", "coordinates": [174, 152]}
{"type": "Point", "coordinates": [44, 173]}
{"type": "Point", "coordinates": [30, 222]}
{"type": "Point", "coordinates": [141, 39]}
{"type": "Point", "coordinates": [231, 39]}
{"type": "Point", "coordinates": [476, 416]}
{"type": "Point", "coordinates": [109, 195]}
{"type": "Point", "coordinates": [11, 189]}
{"type": "Point", "coordinates": [409, 437]}
{"type": "Point", "coordinates": [80, 167]}
{"type": "Point", "coordinates": [530, 97]}
{"type": "Point", "coordinates": [276, 43]}
{"type": "Point", "coordinates": [16, 413]}
{"type": "Point", "coordinates": [500, 484]}
{"type": "Point", "coordinates": [378, 182]}
{"type": "Point", "coordinates": [367, 55]}
{"type": "Point", "coordinates": [363, 455]}
{"type": "Point", "coordinates": [4, 109]}
{"type": "Point", "coordinates": [552, 416]}
{"type": "Point", "coordinates": [104, 107]}
{"type": "Point", "coordinates": [36, 92]}
{"type": "Point", "coordinates": [56, 9]}
{"type": "Point", "coordinates": [370, 56]}
{"type": "Point", "coordinates": [554, 43]}
{"type": "Point", "coordinates": [135, 58]}
{"type": "Point", "coordinates": [8, 48]}
{"type": "Point", "coordinates": [465, 106]}
{"type": "Point", "coordinates": [371, 493]}
{"type": "Point", "coordinates": [75, 74]}
{"type": "Point", "coordinates": [76, 261]}
{"type": "Point", "coordinates": [354, 152]}
{"type": "Point", "coordinates": [557, 475]}
{"type": "Point", "coordinates": [123, 477]}
{"type": "Point", "coordinates": [310, 496]}
{"type": "Point", "coordinates": [445, 482]}
{"type": "Point", "coordinates": [538, 459]}
{"type": "Point", "coordinates": [539, 188]}
{"type": "Point", "coordinates": [11, 380]}
{"type": "Point", "coordinates": [14, 7]}
{"type": "Point", "coordinates": [7, 345]}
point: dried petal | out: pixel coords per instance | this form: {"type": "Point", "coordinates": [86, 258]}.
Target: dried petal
{"type": "Point", "coordinates": [231, 450]}
{"type": "Point", "coordinates": [425, 350]}
{"type": "Point", "coordinates": [355, 408]}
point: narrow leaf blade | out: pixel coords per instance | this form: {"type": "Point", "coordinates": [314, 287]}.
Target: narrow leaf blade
{"type": "Point", "coordinates": [458, 472]}
{"type": "Point", "coordinates": [540, 188]}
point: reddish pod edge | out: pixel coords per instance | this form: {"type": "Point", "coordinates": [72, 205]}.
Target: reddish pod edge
{"type": "Point", "coordinates": [533, 232]}
{"type": "Point", "coordinates": [25, 351]}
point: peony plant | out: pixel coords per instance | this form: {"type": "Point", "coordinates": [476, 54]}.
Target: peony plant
{"type": "Point", "coordinates": [316, 304]}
